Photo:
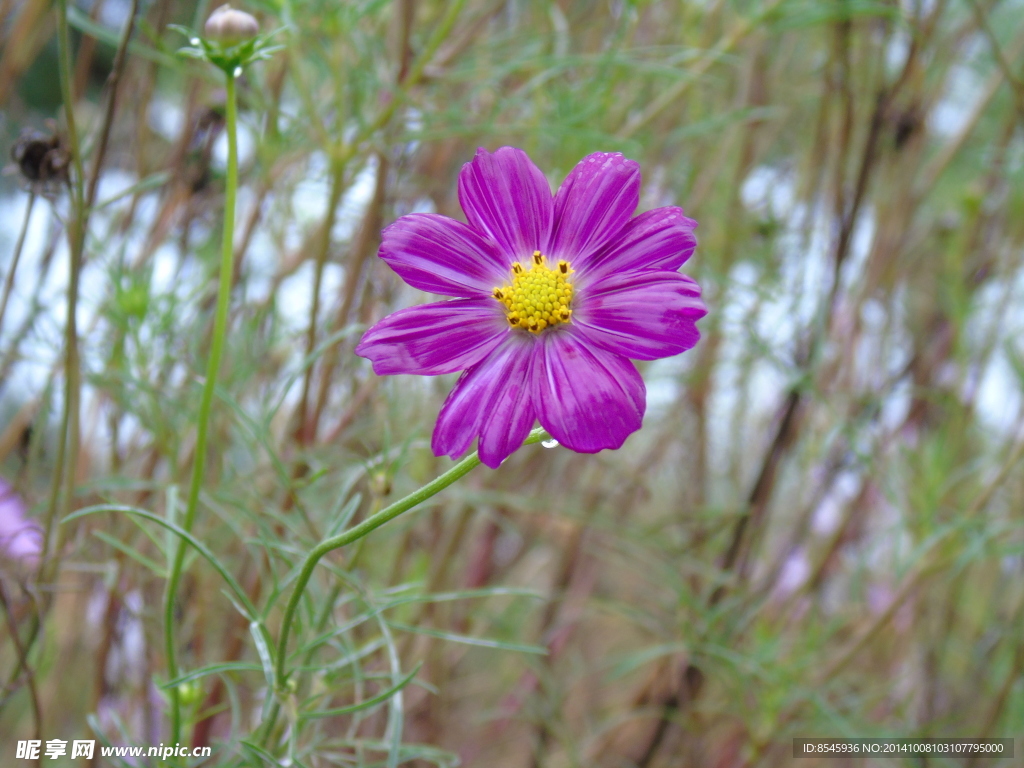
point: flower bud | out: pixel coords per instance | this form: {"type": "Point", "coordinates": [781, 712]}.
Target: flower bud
{"type": "Point", "coordinates": [230, 27]}
{"type": "Point", "coordinates": [190, 694]}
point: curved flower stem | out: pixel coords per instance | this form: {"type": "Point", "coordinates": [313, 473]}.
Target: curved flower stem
{"type": "Point", "coordinates": [461, 469]}
{"type": "Point", "coordinates": [220, 324]}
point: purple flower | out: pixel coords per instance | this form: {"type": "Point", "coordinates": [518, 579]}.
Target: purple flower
{"type": "Point", "coordinates": [20, 538]}
{"type": "Point", "coordinates": [553, 296]}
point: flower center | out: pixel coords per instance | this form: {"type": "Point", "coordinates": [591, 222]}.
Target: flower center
{"type": "Point", "coordinates": [538, 297]}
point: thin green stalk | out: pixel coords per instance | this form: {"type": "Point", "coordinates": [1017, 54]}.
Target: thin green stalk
{"type": "Point", "coordinates": [460, 470]}
{"type": "Point", "coordinates": [66, 459]}
{"type": "Point", "coordinates": [67, 447]}
{"type": "Point", "coordinates": [212, 369]}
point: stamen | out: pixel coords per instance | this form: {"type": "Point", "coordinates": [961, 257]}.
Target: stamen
{"type": "Point", "coordinates": [539, 298]}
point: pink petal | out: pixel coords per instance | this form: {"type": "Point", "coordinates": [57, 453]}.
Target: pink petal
{"type": "Point", "coordinates": [658, 239]}
{"type": "Point", "coordinates": [587, 398]}
{"type": "Point", "coordinates": [490, 401]}
{"type": "Point", "coordinates": [441, 255]}
{"type": "Point", "coordinates": [593, 204]}
{"type": "Point", "coordinates": [506, 197]}
{"type": "Point", "coordinates": [641, 315]}
{"type": "Point", "coordinates": [436, 338]}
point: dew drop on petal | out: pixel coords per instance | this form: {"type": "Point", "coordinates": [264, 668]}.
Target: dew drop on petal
{"type": "Point", "coordinates": [549, 443]}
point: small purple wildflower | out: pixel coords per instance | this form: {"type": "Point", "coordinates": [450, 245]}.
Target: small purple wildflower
{"type": "Point", "coordinates": [552, 297]}
{"type": "Point", "coordinates": [21, 539]}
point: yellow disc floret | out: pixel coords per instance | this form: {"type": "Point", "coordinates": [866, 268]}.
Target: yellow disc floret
{"type": "Point", "coordinates": [539, 297]}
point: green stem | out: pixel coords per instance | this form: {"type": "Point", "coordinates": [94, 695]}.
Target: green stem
{"type": "Point", "coordinates": [461, 469]}
{"type": "Point", "coordinates": [213, 367]}
{"type": "Point", "coordinates": [67, 447]}
{"type": "Point", "coordinates": [66, 459]}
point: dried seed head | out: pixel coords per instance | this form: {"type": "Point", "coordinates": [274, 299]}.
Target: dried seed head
{"type": "Point", "coordinates": [41, 157]}
{"type": "Point", "coordinates": [230, 27]}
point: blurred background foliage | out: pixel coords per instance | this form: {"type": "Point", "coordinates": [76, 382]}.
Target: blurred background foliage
{"type": "Point", "coordinates": [818, 531]}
